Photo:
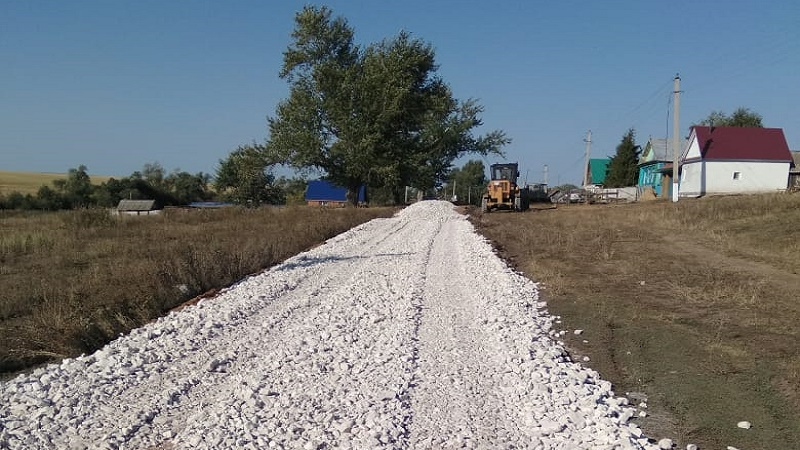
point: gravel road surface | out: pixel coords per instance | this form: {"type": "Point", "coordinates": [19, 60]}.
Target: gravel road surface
{"type": "Point", "coordinates": [402, 333]}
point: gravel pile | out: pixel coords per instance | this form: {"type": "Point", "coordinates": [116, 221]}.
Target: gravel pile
{"type": "Point", "coordinates": [400, 333]}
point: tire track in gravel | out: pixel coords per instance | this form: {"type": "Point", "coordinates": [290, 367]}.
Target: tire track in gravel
{"type": "Point", "coordinates": [489, 374]}
{"type": "Point", "coordinates": [302, 351]}
{"type": "Point", "coordinates": [455, 402]}
{"type": "Point", "coordinates": [240, 356]}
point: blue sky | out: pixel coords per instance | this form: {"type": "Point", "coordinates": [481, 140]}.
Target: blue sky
{"type": "Point", "coordinates": [117, 84]}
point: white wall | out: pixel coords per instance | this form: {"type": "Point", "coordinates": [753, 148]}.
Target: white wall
{"type": "Point", "coordinates": [693, 149]}
{"type": "Point", "coordinates": [153, 212]}
{"type": "Point", "coordinates": [628, 194]}
{"type": "Point", "coordinates": [717, 177]}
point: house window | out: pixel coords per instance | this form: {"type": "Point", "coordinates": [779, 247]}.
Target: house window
{"type": "Point", "coordinates": [737, 175]}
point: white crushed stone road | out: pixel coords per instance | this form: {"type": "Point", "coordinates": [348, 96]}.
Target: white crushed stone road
{"type": "Point", "coordinates": [402, 333]}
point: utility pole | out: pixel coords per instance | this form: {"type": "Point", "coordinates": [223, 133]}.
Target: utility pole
{"type": "Point", "coordinates": [588, 141]}
{"type": "Point", "coordinates": [676, 138]}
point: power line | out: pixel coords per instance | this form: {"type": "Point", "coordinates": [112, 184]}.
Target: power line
{"type": "Point", "coordinates": [648, 101]}
{"type": "Point", "coordinates": [766, 54]}
{"type": "Point", "coordinates": [666, 124]}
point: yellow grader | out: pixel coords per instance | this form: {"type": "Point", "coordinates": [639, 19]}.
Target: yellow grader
{"type": "Point", "coordinates": [503, 192]}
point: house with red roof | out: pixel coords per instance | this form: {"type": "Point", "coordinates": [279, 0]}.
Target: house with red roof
{"type": "Point", "coordinates": [734, 160]}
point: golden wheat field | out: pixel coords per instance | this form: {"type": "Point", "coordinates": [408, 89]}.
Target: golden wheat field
{"type": "Point", "coordinates": [30, 182]}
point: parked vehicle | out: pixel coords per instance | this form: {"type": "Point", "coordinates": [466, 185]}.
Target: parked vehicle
{"type": "Point", "coordinates": [503, 192]}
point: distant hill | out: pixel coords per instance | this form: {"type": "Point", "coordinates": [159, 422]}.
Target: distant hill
{"type": "Point", "coordinates": [30, 182]}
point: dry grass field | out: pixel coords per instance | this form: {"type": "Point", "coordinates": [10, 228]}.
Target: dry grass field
{"type": "Point", "coordinates": [694, 306]}
{"type": "Point", "coordinates": [30, 182]}
{"type": "Point", "coordinates": [71, 281]}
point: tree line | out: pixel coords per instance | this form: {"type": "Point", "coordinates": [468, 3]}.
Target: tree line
{"type": "Point", "coordinates": [153, 182]}
{"type": "Point", "coordinates": [76, 190]}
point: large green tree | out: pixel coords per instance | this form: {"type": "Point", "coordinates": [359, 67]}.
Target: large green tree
{"type": "Point", "coordinates": [742, 117]}
{"type": "Point", "coordinates": [154, 174]}
{"type": "Point", "coordinates": [379, 116]}
{"type": "Point", "coordinates": [76, 189]}
{"type": "Point", "coordinates": [186, 187]}
{"type": "Point", "coordinates": [623, 168]}
{"type": "Point", "coordinates": [244, 177]}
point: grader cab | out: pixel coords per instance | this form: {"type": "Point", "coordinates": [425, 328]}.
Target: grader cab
{"type": "Point", "coordinates": [503, 192]}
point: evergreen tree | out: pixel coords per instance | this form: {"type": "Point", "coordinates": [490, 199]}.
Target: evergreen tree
{"type": "Point", "coordinates": [623, 169]}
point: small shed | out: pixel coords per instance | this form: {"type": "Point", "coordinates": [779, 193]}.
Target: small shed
{"type": "Point", "coordinates": [137, 208]}
{"type": "Point", "coordinates": [325, 193]}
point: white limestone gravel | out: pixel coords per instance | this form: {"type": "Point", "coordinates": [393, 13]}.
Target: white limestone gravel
{"type": "Point", "coordinates": [401, 333]}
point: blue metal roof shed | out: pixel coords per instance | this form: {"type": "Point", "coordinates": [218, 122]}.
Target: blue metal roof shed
{"type": "Point", "coordinates": [324, 191]}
